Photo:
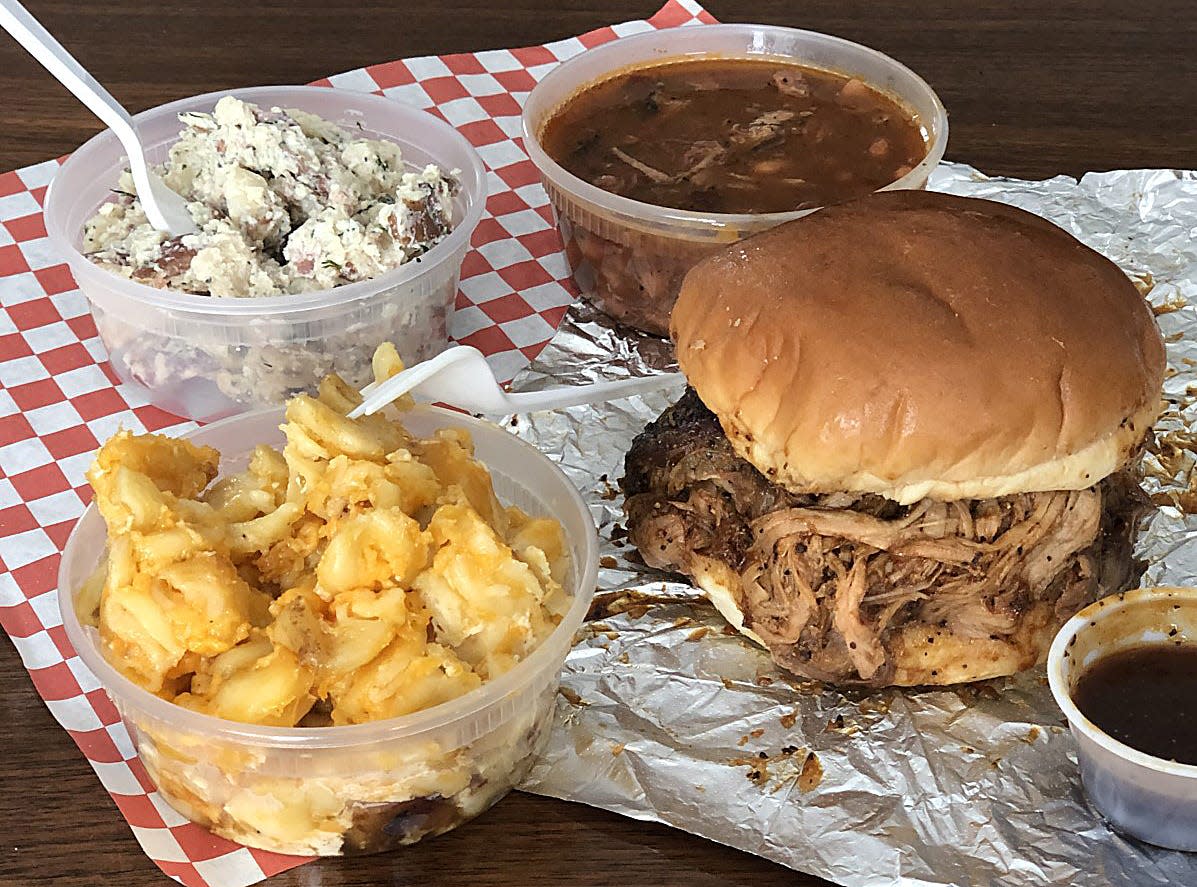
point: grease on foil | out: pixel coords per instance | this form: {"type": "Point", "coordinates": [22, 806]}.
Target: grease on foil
{"type": "Point", "coordinates": [665, 714]}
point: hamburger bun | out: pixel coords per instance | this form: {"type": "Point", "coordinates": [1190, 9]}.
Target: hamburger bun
{"type": "Point", "coordinates": [920, 345]}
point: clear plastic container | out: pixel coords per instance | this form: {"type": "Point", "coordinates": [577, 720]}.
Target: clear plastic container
{"type": "Point", "coordinates": [366, 787]}
{"type": "Point", "coordinates": [205, 357]}
{"type": "Point", "coordinates": [1142, 795]}
{"type": "Point", "coordinates": [629, 257]}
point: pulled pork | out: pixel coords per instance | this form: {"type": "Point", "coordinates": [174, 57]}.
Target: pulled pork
{"type": "Point", "coordinates": [825, 579]}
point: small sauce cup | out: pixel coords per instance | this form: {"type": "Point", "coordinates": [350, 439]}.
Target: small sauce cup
{"type": "Point", "coordinates": [1146, 797]}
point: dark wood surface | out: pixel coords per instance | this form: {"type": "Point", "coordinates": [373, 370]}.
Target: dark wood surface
{"type": "Point", "coordinates": [1033, 89]}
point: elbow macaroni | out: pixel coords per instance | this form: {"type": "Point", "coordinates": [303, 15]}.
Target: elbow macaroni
{"type": "Point", "coordinates": [359, 574]}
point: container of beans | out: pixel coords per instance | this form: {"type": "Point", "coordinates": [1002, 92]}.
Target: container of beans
{"type": "Point", "coordinates": [659, 148]}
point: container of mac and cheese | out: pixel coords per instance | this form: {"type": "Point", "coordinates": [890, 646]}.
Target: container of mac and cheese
{"type": "Point", "coordinates": [364, 787]}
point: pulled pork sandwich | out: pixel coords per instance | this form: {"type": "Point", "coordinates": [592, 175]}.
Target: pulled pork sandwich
{"type": "Point", "coordinates": [908, 453]}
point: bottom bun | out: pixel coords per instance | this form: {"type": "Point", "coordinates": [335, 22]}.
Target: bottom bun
{"type": "Point", "coordinates": [934, 656]}
{"type": "Point", "coordinates": [716, 579]}
{"type": "Point", "coordinates": [922, 655]}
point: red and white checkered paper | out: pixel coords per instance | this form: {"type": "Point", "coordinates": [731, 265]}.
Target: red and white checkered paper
{"type": "Point", "coordinates": [59, 398]}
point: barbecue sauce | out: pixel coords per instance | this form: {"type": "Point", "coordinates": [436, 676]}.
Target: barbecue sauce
{"type": "Point", "coordinates": [1145, 697]}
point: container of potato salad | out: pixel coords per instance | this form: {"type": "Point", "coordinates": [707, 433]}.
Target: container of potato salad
{"type": "Point", "coordinates": [330, 221]}
{"type": "Point", "coordinates": [414, 729]}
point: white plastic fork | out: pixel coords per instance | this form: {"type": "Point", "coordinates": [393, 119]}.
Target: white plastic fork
{"type": "Point", "coordinates": [461, 377]}
{"type": "Point", "coordinates": [165, 209]}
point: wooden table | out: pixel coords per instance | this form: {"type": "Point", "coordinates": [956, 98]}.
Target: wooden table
{"type": "Point", "coordinates": [1033, 90]}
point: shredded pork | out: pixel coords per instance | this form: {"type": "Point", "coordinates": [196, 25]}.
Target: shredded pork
{"type": "Point", "coordinates": [825, 580]}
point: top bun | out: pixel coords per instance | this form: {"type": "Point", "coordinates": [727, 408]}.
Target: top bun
{"type": "Point", "coordinates": [914, 344]}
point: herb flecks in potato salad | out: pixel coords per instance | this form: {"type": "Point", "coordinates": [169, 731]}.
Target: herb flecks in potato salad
{"type": "Point", "coordinates": [360, 574]}
{"type": "Point", "coordinates": [285, 202]}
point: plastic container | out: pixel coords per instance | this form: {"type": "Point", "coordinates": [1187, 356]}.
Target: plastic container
{"type": "Point", "coordinates": [365, 787]}
{"type": "Point", "coordinates": [1144, 796]}
{"type": "Point", "coordinates": [206, 357]}
{"type": "Point", "coordinates": [629, 257]}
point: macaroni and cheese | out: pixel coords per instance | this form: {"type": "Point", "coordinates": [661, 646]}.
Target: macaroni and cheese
{"type": "Point", "coordinates": [360, 574]}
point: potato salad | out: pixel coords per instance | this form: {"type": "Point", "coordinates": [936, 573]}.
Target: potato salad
{"type": "Point", "coordinates": [285, 203]}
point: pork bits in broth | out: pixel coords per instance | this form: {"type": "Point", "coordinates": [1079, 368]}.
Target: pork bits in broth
{"type": "Point", "coordinates": [735, 136]}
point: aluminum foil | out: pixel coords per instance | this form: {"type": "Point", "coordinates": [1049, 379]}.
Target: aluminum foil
{"type": "Point", "coordinates": [666, 714]}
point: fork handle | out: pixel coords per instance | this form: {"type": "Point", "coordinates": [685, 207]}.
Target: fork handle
{"type": "Point", "coordinates": [43, 46]}
{"type": "Point", "coordinates": [575, 395]}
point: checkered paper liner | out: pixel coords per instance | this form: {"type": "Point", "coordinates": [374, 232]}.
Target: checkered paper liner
{"type": "Point", "coordinates": [59, 398]}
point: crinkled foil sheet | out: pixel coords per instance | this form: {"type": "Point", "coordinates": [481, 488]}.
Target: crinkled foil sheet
{"type": "Point", "coordinates": [666, 715]}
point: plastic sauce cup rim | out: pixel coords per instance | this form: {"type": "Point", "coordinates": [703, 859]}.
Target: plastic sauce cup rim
{"type": "Point", "coordinates": [405, 726]}
{"type": "Point", "coordinates": [473, 182]}
{"type": "Point", "coordinates": [1095, 612]}
{"type": "Point", "coordinates": [626, 206]}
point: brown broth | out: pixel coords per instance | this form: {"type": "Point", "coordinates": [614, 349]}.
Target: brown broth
{"type": "Point", "coordinates": [734, 136]}
{"type": "Point", "coordinates": [1145, 697]}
